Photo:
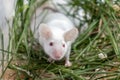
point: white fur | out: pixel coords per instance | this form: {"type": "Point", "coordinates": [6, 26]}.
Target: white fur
{"type": "Point", "coordinates": [58, 25]}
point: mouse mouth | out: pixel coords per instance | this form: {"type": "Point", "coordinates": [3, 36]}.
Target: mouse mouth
{"type": "Point", "coordinates": [56, 58]}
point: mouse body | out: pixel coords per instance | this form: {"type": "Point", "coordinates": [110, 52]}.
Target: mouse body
{"type": "Point", "coordinates": [55, 33]}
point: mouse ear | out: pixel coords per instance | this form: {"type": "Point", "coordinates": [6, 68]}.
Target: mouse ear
{"type": "Point", "coordinates": [45, 31]}
{"type": "Point", "coordinates": [71, 34]}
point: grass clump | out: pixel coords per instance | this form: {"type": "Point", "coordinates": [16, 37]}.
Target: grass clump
{"type": "Point", "coordinates": [101, 38]}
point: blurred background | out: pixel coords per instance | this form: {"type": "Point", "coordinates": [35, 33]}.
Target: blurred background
{"type": "Point", "coordinates": [95, 54]}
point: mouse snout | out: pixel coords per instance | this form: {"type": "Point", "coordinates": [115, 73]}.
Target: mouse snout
{"type": "Point", "coordinates": [57, 54]}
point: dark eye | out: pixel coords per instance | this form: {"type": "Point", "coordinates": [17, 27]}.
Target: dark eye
{"type": "Point", "coordinates": [63, 45]}
{"type": "Point", "coordinates": [51, 43]}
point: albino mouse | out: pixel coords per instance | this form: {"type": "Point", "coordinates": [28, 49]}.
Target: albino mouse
{"type": "Point", "coordinates": [56, 34]}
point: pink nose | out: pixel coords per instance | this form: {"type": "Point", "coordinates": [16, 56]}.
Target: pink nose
{"type": "Point", "coordinates": [57, 55]}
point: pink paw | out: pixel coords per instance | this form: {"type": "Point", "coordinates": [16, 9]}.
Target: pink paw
{"type": "Point", "coordinates": [68, 64]}
{"type": "Point", "coordinates": [50, 60]}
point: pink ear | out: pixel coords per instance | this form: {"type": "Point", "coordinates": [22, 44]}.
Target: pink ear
{"type": "Point", "coordinates": [45, 31]}
{"type": "Point", "coordinates": [71, 34]}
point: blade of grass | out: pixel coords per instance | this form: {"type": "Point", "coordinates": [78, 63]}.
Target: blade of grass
{"type": "Point", "coordinates": [112, 39]}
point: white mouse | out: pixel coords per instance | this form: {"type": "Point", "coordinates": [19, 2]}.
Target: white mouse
{"type": "Point", "coordinates": [56, 34]}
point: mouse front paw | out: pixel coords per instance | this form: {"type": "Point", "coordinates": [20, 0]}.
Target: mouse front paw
{"type": "Point", "coordinates": [51, 60]}
{"type": "Point", "coordinates": [68, 64]}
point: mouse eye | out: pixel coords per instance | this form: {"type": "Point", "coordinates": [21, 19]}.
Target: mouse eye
{"type": "Point", "coordinates": [51, 43]}
{"type": "Point", "coordinates": [63, 45]}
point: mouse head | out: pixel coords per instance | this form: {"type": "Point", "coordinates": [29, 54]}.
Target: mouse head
{"type": "Point", "coordinates": [55, 47]}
